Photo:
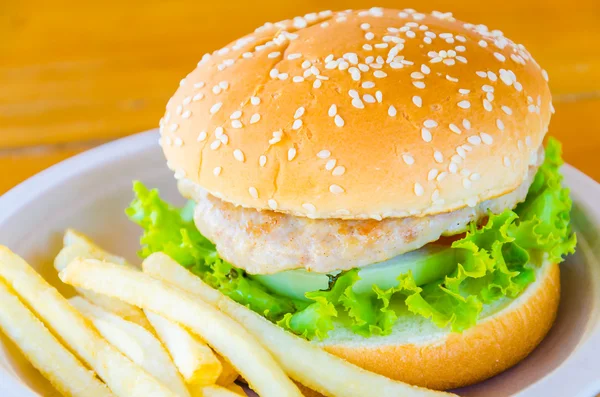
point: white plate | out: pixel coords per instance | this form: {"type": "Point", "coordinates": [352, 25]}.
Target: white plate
{"type": "Point", "coordinates": [91, 190]}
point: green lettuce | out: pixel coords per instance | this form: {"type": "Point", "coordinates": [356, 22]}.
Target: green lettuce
{"type": "Point", "coordinates": [496, 258]}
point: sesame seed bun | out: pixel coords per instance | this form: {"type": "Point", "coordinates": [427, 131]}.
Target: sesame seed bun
{"type": "Point", "coordinates": [360, 114]}
{"type": "Point", "coordinates": [445, 361]}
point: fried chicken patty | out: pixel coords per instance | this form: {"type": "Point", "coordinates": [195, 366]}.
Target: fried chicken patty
{"type": "Point", "coordinates": [266, 242]}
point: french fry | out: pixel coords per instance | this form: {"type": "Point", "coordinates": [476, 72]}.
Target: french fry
{"type": "Point", "coordinates": [78, 245]}
{"type": "Point", "coordinates": [135, 342]}
{"type": "Point", "coordinates": [64, 371]}
{"type": "Point", "coordinates": [228, 375]}
{"type": "Point", "coordinates": [234, 387]}
{"type": "Point", "coordinates": [222, 333]}
{"type": "Point", "coordinates": [303, 361]}
{"type": "Point", "coordinates": [196, 362]}
{"type": "Point", "coordinates": [123, 377]}
{"type": "Point", "coordinates": [219, 391]}
{"type": "Point", "coordinates": [74, 238]}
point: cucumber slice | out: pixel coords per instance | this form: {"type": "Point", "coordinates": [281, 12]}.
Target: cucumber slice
{"type": "Point", "coordinates": [427, 264]}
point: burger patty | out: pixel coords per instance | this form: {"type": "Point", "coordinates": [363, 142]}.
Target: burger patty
{"type": "Point", "coordinates": [266, 242]}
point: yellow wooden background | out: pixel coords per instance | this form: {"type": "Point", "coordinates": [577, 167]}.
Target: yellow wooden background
{"type": "Point", "coordinates": [74, 74]}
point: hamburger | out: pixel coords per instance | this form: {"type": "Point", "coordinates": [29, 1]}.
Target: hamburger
{"type": "Point", "coordinates": [376, 182]}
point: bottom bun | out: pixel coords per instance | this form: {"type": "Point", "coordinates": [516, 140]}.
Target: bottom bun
{"type": "Point", "coordinates": [436, 359]}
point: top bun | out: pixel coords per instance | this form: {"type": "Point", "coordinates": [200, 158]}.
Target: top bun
{"type": "Point", "coordinates": [360, 114]}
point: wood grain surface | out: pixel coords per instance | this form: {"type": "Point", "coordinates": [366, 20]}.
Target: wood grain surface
{"type": "Point", "coordinates": [74, 74]}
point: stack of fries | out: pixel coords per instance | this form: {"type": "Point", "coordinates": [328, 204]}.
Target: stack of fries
{"type": "Point", "coordinates": [158, 330]}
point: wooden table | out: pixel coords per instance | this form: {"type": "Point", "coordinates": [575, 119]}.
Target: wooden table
{"type": "Point", "coordinates": [76, 74]}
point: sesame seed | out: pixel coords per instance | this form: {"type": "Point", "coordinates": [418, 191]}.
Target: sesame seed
{"type": "Point", "coordinates": [253, 192]}
{"type": "Point", "coordinates": [254, 100]}
{"type": "Point", "coordinates": [368, 98]}
{"type": "Point", "coordinates": [442, 175]}
{"type": "Point", "coordinates": [438, 156]}
{"type": "Point", "coordinates": [236, 124]}
{"type": "Point", "coordinates": [425, 69]}
{"type": "Point", "coordinates": [330, 164]}
{"type": "Point", "coordinates": [297, 79]}
{"type": "Point", "coordinates": [202, 136]}
{"type": "Point", "coordinates": [466, 183]}
{"type": "Point", "coordinates": [481, 74]}
{"type": "Point", "coordinates": [419, 84]}
{"type": "Point", "coordinates": [353, 93]}
{"type": "Point", "coordinates": [238, 155]}
{"type": "Point", "coordinates": [545, 74]}
{"type": "Point", "coordinates": [379, 96]}
{"type": "Point", "coordinates": [272, 204]}
{"type": "Point", "coordinates": [368, 84]}
{"type": "Point", "coordinates": [178, 110]}
{"type": "Point", "coordinates": [178, 142]}
{"type": "Point", "coordinates": [338, 120]}
{"type": "Point", "coordinates": [324, 154]}
{"type": "Point", "coordinates": [357, 103]}
{"type": "Point", "coordinates": [236, 115]}
{"type": "Point", "coordinates": [430, 123]}
{"type": "Point", "coordinates": [215, 145]}
{"type": "Point", "coordinates": [369, 35]}
{"type": "Point", "coordinates": [365, 26]}
{"type": "Point", "coordinates": [187, 100]}
{"type": "Point", "coordinates": [499, 57]}
{"type": "Point", "coordinates": [426, 135]}
{"type": "Point", "coordinates": [297, 124]}
{"type": "Point", "coordinates": [262, 160]}
{"type": "Point", "coordinates": [217, 171]}
{"type": "Point", "coordinates": [463, 91]}
{"type": "Point", "coordinates": [199, 84]}
{"type": "Point", "coordinates": [500, 124]}
{"type": "Point", "coordinates": [474, 139]}
{"type": "Point", "coordinates": [432, 174]}
{"type": "Point", "coordinates": [379, 74]}
{"type": "Point", "coordinates": [487, 105]}
{"type": "Point", "coordinates": [182, 82]}
{"type": "Point", "coordinates": [309, 207]}
{"type": "Point", "coordinates": [339, 170]}
{"type": "Point", "coordinates": [452, 79]}
{"type": "Point", "coordinates": [291, 154]}
{"type": "Point", "coordinates": [299, 112]}
{"type": "Point", "coordinates": [419, 191]}
{"type": "Point", "coordinates": [317, 84]}
{"type": "Point", "coordinates": [332, 110]}
{"type": "Point", "coordinates": [294, 56]}
{"type": "Point", "coordinates": [417, 75]}
{"type": "Point", "coordinates": [506, 161]}
{"type": "Point", "coordinates": [464, 104]}
{"type": "Point", "coordinates": [186, 115]}
{"type": "Point", "coordinates": [198, 97]}
{"type": "Point", "coordinates": [483, 43]}
{"type": "Point", "coordinates": [392, 111]}
{"type": "Point", "coordinates": [486, 138]}
{"type": "Point", "coordinates": [453, 168]}
{"type": "Point", "coordinates": [255, 118]}
{"type": "Point", "coordinates": [460, 48]}
{"type": "Point", "coordinates": [216, 90]}
{"type": "Point", "coordinates": [492, 76]}
{"type": "Point", "coordinates": [408, 159]}
{"type": "Point", "coordinates": [518, 86]}
{"type": "Point", "coordinates": [417, 101]}
{"type": "Point", "coordinates": [467, 124]}
{"type": "Point", "coordinates": [507, 110]}
{"type": "Point", "coordinates": [174, 127]}
{"type": "Point", "coordinates": [216, 107]}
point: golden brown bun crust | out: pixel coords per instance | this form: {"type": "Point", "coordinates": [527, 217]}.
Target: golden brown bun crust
{"type": "Point", "coordinates": [494, 345]}
{"type": "Point", "coordinates": [449, 117]}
